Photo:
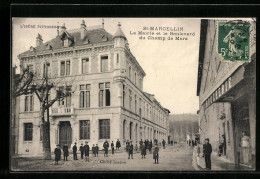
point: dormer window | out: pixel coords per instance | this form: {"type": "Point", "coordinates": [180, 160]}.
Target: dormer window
{"type": "Point", "coordinates": [66, 42]}
{"type": "Point", "coordinates": [48, 47]}
{"type": "Point", "coordinates": [104, 38]}
{"type": "Point", "coordinates": [32, 49]}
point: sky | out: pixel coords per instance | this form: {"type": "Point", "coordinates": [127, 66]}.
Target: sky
{"type": "Point", "coordinates": [171, 66]}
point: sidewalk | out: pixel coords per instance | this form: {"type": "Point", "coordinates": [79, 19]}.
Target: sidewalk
{"type": "Point", "coordinates": [217, 163]}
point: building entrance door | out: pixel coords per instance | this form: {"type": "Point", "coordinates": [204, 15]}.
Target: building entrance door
{"type": "Point", "coordinates": [241, 131]}
{"type": "Point", "coordinates": [65, 134]}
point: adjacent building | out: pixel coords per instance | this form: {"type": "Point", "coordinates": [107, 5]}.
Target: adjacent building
{"type": "Point", "coordinates": [107, 100]}
{"type": "Point", "coordinates": [227, 97]}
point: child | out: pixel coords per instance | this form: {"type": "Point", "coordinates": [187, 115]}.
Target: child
{"type": "Point", "coordinates": [94, 151]}
{"type": "Point", "coordinates": [156, 154]}
{"type": "Point", "coordinates": [57, 153]}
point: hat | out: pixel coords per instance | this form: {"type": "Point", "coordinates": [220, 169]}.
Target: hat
{"type": "Point", "coordinates": [75, 142]}
{"type": "Point", "coordinates": [81, 143]}
{"type": "Point", "coordinates": [58, 145]}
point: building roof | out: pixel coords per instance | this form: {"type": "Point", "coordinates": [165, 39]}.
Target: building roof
{"type": "Point", "coordinates": [203, 34]}
{"type": "Point", "coordinates": [94, 36]}
{"type": "Point", "coordinates": [119, 32]}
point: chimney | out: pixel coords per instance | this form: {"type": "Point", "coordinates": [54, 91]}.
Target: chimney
{"type": "Point", "coordinates": [63, 27]}
{"type": "Point", "coordinates": [39, 40]}
{"type": "Point", "coordinates": [103, 24]}
{"type": "Point", "coordinates": [58, 32]}
{"type": "Point", "coordinates": [83, 30]}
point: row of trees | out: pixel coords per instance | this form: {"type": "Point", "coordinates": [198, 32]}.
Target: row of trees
{"type": "Point", "coordinates": [30, 82]}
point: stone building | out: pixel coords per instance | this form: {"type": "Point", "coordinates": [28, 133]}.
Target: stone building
{"type": "Point", "coordinates": [107, 101]}
{"type": "Point", "coordinates": [227, 94]}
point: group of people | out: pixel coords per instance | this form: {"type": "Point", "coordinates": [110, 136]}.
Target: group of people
{"type": "Point", "coordinates": [84, 150]}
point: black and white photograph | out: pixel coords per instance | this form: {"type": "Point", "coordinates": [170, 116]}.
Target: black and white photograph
{"type": "Point", "coordinates": [133, 94]}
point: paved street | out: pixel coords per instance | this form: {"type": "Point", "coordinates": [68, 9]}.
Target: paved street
{"type": "Point", "coordinates": [173, 158]}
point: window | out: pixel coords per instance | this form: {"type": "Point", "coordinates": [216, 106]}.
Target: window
{"type": "Point", "coordinates": [130, 73]}
{"type": "Point", "coordinates": [124, 123]}
{"type": "Point", "coordinates": [104, 129]}
{"type": "Point", "coordinates": [66, 101]}
{"type": "Point", "coordinates": [130, 130]}
{"type": "Point", "coordinates": [85, 65]}
{"type": "Point", "coordinates": [130, 99]}
{"type": "Point", "coordinates": [65, 68]}
{"type": "Point", "coordinates": [135, 78]}
{"type": "Point", "coordinates": [84, 96]}
{"type": "Point", "coordinates": [104, 99]}
{"type": "Point", "coordinates": [84, 129]}
{"type": "Point", "coordinates": [66, 42]}
{"type": "Point", "coordinates": [46, 70]}
{"type": "Point", "coordinates": [123, 95]}
{"type": "Point", "coordinates": [41, 133]}
{"type": "Point", "coordinates": [28, 103]}
{"type": "Point", "coordinates": [135, 103]}
{"type": "Point", "coordinates": [30, 67]}
{"type": "Point", "coordinates": [117, 58]}
{"type": "Point", "coordinates": [104, 63]}
{"type": "Point", "coordinates": [28, 131]}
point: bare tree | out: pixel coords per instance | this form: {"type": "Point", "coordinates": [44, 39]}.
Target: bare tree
{"type": "Point", "coordinates": [43, 84]}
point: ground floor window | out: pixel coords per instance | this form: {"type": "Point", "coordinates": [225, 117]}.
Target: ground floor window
{"type": "Point", "coordinates": [28, 131]}
{"type": "Point", "coordinates": [104, 129]}
{"type": "Point", "coordinates": [85, 129]}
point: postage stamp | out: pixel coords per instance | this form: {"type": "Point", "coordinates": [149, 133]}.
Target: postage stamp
{"type": "Point", "coordinates": [234, 41]}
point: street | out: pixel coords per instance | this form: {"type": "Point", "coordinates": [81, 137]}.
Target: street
{"type": "Point", "coordinates": [173, 158]}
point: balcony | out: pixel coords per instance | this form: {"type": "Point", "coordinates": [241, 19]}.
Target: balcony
{"type": "Point", "coordinates": [62, 111]}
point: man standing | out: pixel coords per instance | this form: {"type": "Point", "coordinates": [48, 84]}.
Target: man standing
{"type": "Point", "coordinates": [75, 151]}
{"type": "Point", "coordinates": [118, 145]}
{"type": "Point", "coordinates": [106, 146]}
{"type": "Point", "coordinates": [65, 152]}
{"type": "Point", "coordinates": [163, 143]}
{"type": "Point", "coordinates": [81, 148]}
{"type": "Point", "coordinates": [112, 147]}
{"type": "Point", "coordinates": [207, 150]}
{"type": "Point", "coordinates": [156, 154]}
{"type": "Point", "coordinates": [57, 153]}
{"type": "Point", "coordinates": [130, 150]}
{"type": "Point", "coordinates": [141, 143]}
{"type": "Point", "coordinates": [94, 151]}
{"type": "Point", "coordinates": [97, 149]}
{"type": "Point", "coordinates": [150, 146]}
{"type": "Point", "coordinates": [127, 144]}
{"type": "Point", "coordinates": [86, 149]}
{"type": "Point", "coordinates": [143, 151]}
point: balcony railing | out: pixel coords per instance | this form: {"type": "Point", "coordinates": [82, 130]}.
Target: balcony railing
{"type": "Point", "coordinates": [62, 111]}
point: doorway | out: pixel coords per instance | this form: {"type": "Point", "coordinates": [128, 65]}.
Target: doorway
{"type": "Point", "coordinates": [240, 113]}
{"type": "Point", "coordinates": [65, 132]}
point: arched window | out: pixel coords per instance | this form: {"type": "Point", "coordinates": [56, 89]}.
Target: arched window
{"type": "Point", "coordinates": [124, 124]}
{"type": "Point", "coordinates": [130, 131]}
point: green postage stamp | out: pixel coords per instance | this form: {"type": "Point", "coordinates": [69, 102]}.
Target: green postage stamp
{"type": "Point", "coordinates": [234, 40]}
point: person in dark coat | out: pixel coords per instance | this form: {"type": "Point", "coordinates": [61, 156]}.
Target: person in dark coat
{"type": "Point", "coordinates": [86, 150]}
{"type": "Point", "coordinates": [97, 149]}
{"type": "Point", "coordinates": [150, 145]}
{"type": "Point", "coordinates": [106, 146]}
{"type": "Point", "coordinates": [207, 150]}
{"type": "Point", "coordinates": [130, 150]}
{"type": "Point", "coordinates": [156, 154]}
{"type": "Point", "coordinates": [118, 145]}
{"type": "Point", "coordinates": [65, 152]}
{"type": "Point", "coordinates": [57, 152]}
{"type": "Point", "coordinates": [163, 143]}
{"type": "Point", "coordinates": [81, 148]}
{"type": "Point", "coordinates": [127, 144]}
{"type": "Point", "coordinates": [113, 147]}
{"type": "Point", "coordinates": [93, 150]}
{"type": "Point", "coordinates": [141, 143]}
{"type": "Point", "coordinates": [75, 151]}
{"type": "Point", "coordinates": [143, 151]}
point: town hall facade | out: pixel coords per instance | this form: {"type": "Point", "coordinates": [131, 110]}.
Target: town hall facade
{"type": "Point", "coordinates": [107, 101]}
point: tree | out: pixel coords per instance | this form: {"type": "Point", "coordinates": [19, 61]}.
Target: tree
{"type": "Point", "coordinates": [42, 88]}
{"type": "Point", "coordinates": [42, 84]}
